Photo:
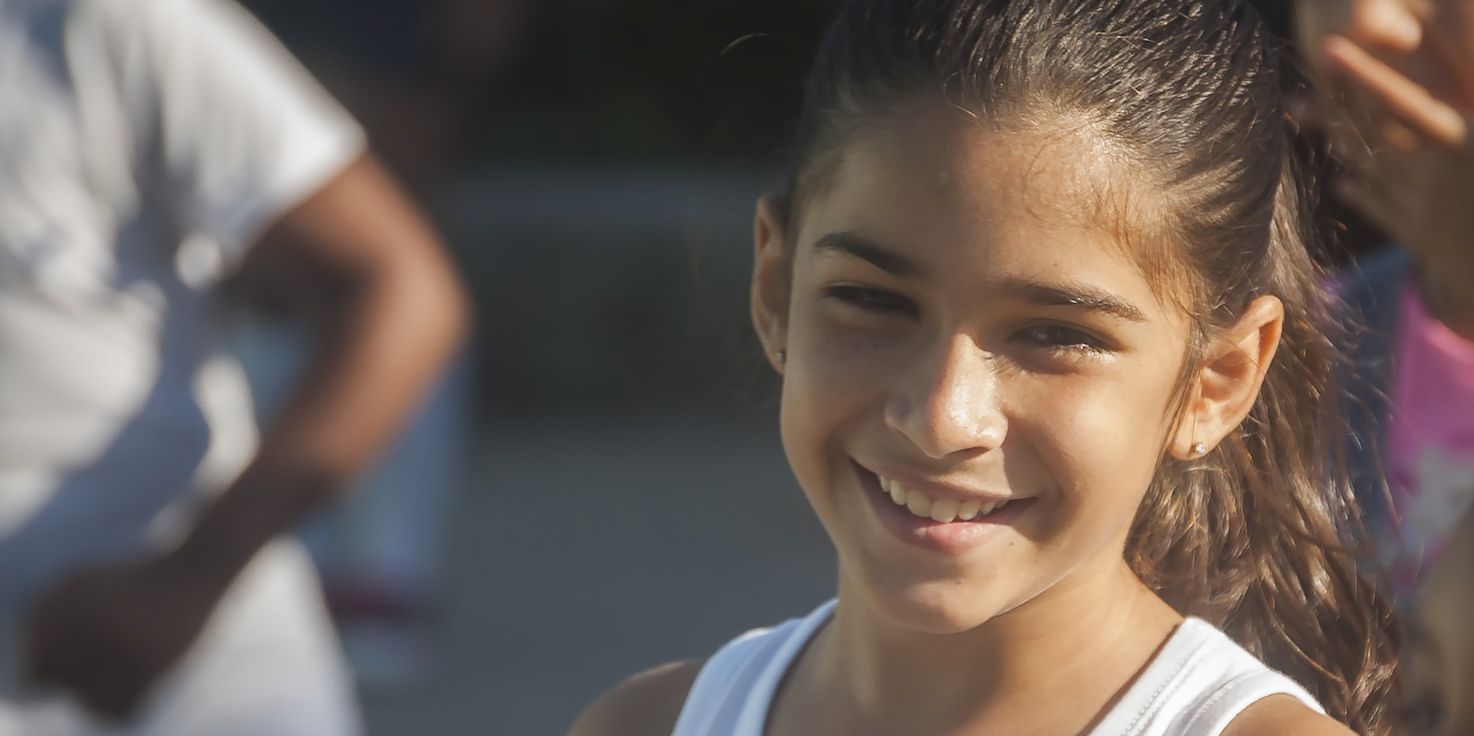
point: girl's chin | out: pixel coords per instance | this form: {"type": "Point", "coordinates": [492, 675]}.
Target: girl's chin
{"type": "Point", "coordinates": [934, 607]}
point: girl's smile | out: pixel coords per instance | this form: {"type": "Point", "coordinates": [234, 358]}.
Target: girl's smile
{"type": "Point", "coordinates": [966, 328]}
{"type": "Point", "coordinates": [942, 518]}
{"type": "Point", "coordinates": [1026, 285]}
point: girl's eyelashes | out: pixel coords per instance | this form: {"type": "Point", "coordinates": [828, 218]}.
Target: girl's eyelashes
{"type": "Point", "coordinates": [1061, 337]}
{"type": "Point", "coordinates": [1055, 337]}
{"type": "Point", "coordinates": [870, 299]}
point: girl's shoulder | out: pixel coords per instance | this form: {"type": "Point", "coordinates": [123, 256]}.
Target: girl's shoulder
{"type": "Point", "coordinates": [716, 695]}
{"type": "Point", "coordinates": [1284, 715]}
{"type": "Point", "coordinates": [648, 703]}
{"type": "Point", "coordinates": [1203, 682]}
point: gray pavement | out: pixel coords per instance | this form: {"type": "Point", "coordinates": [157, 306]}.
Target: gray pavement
{"type": "Point", "coordinates": [582, 553]}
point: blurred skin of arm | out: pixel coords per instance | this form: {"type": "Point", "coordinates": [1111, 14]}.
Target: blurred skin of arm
{"type": "Point", "coordinates": [363, 265]}
{"type": "Point", "coordinates": [1397, 93]}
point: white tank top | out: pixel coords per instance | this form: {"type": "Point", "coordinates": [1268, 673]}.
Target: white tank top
{"type": "Point", "coordinates": [1197, 683]}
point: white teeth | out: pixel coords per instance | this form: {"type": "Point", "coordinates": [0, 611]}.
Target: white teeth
{"type": "Point", "coordinates": [919, 504]}
{"type": "Point", "coordinates": [969, 509]}
{"type": "Point", "coordinates": [944, 510]}
{"type": "Point", "coordinates": [941, 510]}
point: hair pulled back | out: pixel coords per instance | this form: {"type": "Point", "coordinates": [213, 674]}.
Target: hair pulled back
{"type": "Point", "coordinates": [1260, 536]}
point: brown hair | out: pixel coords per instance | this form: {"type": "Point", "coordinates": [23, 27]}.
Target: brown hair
{"type": "Point", "coordinates": [1259, 536]}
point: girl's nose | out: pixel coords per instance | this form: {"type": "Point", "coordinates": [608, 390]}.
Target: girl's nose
{"type": "Point", "coordinates": [947, 403]}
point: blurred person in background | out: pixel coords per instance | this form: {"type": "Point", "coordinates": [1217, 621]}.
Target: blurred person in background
{"type": "Point", "coordinates": [1398, 82]}
{"type": "Point", "coordinates": [152, 149]}
{"type": "Point", "coordinates": [409, 71]}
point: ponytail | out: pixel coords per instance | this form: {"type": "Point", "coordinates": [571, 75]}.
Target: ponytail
{"type": "Point", "coordinates": [1262, 536]}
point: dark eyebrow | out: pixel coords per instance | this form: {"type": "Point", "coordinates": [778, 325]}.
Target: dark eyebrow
{"type": "Point", "coordinates": [856, 246]}
{"type": "Point", "coordinates": [1052, 295]}
{"type": "Point", "coordinates": [1072, 295]}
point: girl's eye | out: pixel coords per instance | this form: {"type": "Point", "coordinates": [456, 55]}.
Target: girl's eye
{"type": "Point", "coordinates": [1061, 337]}
{"type": "Point", "coordinates": [873, 300]}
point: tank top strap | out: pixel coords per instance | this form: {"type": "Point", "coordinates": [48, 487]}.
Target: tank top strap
{"type": "Point", "coordinates": [731, 694]}
{"type": "Point", "coordinates": [1195, 686]}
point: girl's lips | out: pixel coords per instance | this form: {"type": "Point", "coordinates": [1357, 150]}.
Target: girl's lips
{"type": "Point", "coordinates": [951, 538]}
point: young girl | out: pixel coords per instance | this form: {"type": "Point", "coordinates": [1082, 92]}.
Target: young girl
{"type": "Point", "coordinates": [1055, 366]}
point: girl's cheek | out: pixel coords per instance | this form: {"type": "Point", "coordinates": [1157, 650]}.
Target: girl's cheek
{"type": "Point", "coordinates": [837, 351]}
{"type": "Point", "coordinates": [833, 374]}
{"type": "Point", "coordinates": [1104, 429]}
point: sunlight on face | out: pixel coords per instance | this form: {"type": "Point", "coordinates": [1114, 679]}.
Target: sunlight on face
{"type": "Point", "coordinates": [964, 323]}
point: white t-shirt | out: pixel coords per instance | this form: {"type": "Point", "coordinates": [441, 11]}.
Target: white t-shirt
{"type": "Point", "coordinates": [1195, 685]}
{"type": "Point", "coordinates": [144, 145]}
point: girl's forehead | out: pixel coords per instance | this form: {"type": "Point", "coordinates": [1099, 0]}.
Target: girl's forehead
{"type": "Point", "coordinates": [938, 175]}
{"type": "Point", "coordinates": [1061, 171]}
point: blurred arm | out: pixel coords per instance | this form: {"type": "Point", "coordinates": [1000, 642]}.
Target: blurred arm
{"type": "Point", "coordinates": [388, 311]}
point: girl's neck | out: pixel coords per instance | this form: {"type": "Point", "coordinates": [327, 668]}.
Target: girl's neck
{"type": "Point", "coordinates": [1057, 661]}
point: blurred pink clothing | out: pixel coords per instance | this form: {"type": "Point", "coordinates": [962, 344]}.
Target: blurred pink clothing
{"type": "Point", "coordinates": [1431, 437]}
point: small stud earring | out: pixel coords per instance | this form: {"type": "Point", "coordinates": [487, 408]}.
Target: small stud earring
{"type": "Point", "coordinates": [1199, 449]}
{"type": "Point", "coordinates": [782, 357]}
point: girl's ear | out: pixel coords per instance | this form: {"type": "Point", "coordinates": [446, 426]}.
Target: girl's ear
{"type": "Point", "coordinates": [770, 278]}
{"type": "Point", "coordinates": [1227, 385]}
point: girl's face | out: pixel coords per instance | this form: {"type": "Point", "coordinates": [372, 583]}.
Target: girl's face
{"type": "Point", "coordinates": [965, 327]}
